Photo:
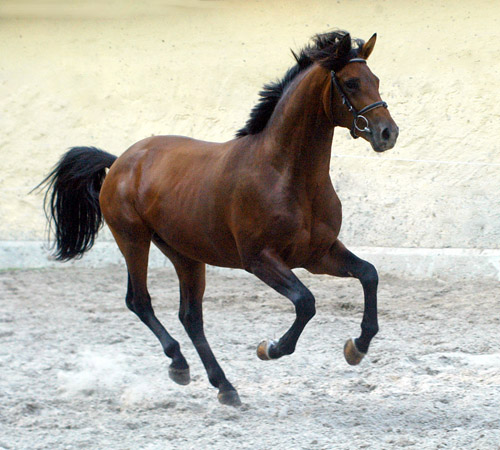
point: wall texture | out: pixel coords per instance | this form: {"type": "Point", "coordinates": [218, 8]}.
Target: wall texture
{"type": "Point", "coordinates": [79, 73]}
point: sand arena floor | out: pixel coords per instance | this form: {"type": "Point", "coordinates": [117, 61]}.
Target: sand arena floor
{"type": "Point", "coordinates": [80, 371]}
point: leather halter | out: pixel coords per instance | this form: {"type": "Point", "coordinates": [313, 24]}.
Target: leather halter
{"type": "Point", "coordinates": [345, 100]}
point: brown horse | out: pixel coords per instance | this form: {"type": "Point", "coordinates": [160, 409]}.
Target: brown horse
{"type": "Point", "coordinates": [262, 202]}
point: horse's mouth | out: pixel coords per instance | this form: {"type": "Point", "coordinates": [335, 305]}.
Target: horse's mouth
{"type": "Point", "coordinates": [382, 147]}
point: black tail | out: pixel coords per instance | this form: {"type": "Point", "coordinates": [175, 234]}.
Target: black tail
{"type": "Point", "coordinates": [72, 200]}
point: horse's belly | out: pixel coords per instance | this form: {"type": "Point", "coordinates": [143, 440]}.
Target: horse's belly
{"type": "Point", "coordinates": [214, 248]}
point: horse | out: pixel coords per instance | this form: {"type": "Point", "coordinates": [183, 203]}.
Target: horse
{"type": "Point", "coordinates": [262, 202]}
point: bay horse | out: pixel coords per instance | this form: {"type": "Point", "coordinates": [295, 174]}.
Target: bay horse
{"type": "Point", "coordinates": [262, 202]}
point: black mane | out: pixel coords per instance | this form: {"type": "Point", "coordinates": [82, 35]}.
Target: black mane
{"type": "Point", "coordinates": [323, 50]}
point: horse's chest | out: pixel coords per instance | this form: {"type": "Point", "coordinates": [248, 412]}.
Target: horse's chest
{"type": "Point", "coordinates": [309, 242]}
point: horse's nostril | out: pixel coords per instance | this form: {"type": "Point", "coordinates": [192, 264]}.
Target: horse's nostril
{"type": "Point", "coordinates": [386, 134]}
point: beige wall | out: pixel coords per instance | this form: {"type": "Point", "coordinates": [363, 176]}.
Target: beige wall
{"type": "Point", "coordinates": [75, 73]}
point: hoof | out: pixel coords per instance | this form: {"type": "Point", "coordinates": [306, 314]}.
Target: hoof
{"type": "Point", "coordinates": [230, 398]}
{"type": "Point", "coordinates": [180, 376]}
{"type": "Point", "coordinates": [352, 355]}
{"type": "Point", "coordinates": [263, 349]}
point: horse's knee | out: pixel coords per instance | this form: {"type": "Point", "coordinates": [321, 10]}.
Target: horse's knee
{"type": "Point", "coordinates": [187, 320]}
{"type": "Point", "coordinates": [129, 301]}
{"type": "Point", "coordinates": [185, 317]}
{"type": "Point", "coordinates": [305, 305]}
{"type": "Point", "coordinates": [369, 275]}
{"type": "Point", "coordinates": [191, 320]}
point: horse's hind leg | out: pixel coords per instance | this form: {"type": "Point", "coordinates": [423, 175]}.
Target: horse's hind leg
{"type": "Point", "coordinates": [192, 287]}
{"type": "Point", "coordinates": [135, 249]}
{"type": "Point", "coordinates": [341, 262]}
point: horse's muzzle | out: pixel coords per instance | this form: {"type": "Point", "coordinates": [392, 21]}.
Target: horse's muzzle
{"type": "Point", "coordinates": [384, 137]}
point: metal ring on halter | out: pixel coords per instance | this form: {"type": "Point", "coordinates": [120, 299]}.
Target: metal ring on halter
{"type": "Point", "coordinates": [366, 129]}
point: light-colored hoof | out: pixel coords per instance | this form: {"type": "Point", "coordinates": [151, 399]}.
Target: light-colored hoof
{"type": "Point", "coordinates": [230, 398]}
{"type": "Point", "coordinates": [352, 355]}
{"type": "Point", "coordinates": [263, 350]}
{"type": "Point", "coordinates": [180, 376]}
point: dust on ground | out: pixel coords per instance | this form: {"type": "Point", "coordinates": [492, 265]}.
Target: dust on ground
{"type": "Point", "coordinates": [80, 371]}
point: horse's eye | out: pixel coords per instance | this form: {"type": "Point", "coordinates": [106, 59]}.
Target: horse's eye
{"type": "Point", "coordinates": [352, 84]}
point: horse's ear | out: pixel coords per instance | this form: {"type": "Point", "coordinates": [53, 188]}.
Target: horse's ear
{"type": "Point", "coordinates": [344, 46]}
{"type": "Point", "coordinates": [367, 48]}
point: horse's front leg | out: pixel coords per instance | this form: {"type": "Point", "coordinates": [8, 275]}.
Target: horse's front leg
{"type": "Point", "coordinates": [271, 270]}
{"type": "Point", "coordinates": [341, 262]}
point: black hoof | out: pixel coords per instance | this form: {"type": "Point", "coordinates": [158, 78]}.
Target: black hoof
{"type": "Point", "coordinates": [180, 376]}
{"type": "Point", "coordinates": [230, 398]}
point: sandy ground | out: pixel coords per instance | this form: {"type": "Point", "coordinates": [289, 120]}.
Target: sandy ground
{"type": "Point", "coordinates": [80, 371]}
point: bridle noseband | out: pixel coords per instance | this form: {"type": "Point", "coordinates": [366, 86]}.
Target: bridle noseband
{"type": "Point", "coordinates": [345, 100]}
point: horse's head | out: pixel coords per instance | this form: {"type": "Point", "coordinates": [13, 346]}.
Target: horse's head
{"type": "Point", "coordinates": [355, 101]}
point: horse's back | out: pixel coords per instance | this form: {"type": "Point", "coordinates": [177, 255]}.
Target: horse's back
{"type": "Point", "coordinates": [171, 147]}
{"type": "Point", "coordinates": [159, 158]}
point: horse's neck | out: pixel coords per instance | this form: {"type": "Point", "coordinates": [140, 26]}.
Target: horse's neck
{"type": "Point", "coordinates": [300, 134]}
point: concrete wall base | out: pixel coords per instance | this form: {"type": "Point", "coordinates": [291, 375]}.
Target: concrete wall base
{"type": "Point", "coordinates": [444, 263]}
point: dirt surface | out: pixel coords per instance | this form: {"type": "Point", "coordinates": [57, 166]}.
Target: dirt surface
{"type": "Point", "coordinates": [80, 371]}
